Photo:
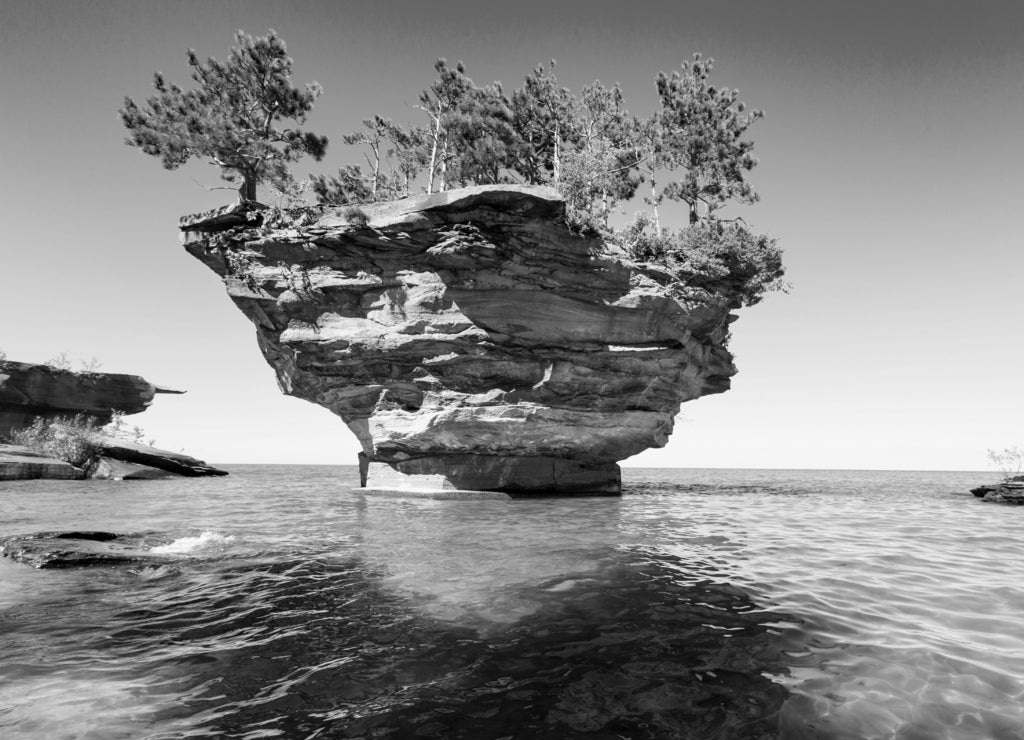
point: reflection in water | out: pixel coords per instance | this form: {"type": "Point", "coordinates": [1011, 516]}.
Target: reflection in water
{"type": "Point", "coordinates": [753, 606]}
{"type": "Point", "coordinates": [325, 648]}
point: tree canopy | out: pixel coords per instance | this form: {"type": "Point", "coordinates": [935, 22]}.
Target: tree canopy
{"type": "Point", "coordinates": [692, 149]}
{"type": "Point", "coordinates": [232, 116]}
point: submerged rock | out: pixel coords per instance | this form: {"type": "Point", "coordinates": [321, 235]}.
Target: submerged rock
{"type": "Point", "coordinates": [76, 549]}
{"type": "Point", "coordinates": [469, 339]}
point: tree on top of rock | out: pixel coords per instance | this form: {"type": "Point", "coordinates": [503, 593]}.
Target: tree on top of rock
{"type": "Point", "coordinates": [440, 102]}
{"type": "Point", "coordinates": [542, 117]}
{"type": "Point", "coordinates": [701, 130]}
{"type": "Point", "coordinates": [232, 117]}
{"type": "Point", "coordinates": [482, 139]}
{"type": "Point", "coordinates": [603, 160]}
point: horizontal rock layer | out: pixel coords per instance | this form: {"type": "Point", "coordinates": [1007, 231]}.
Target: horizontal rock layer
{"type": "Point", "coordinates": [140, 455]}
{"type": "Point", "coordinates": [23, 463]}
{"type": "Point", "coordinates": [28, 390]}
{"type": "Point", "coordinates": [118, 460]}
{"type": "Point", "coordinates": [453, 330]}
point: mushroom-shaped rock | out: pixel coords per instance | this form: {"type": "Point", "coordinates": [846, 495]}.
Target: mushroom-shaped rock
{"type": "Point", "coordinates": [470, 339]}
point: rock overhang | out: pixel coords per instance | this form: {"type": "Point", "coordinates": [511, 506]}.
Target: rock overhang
{"type": "Point", "coordinates": [470, 323]}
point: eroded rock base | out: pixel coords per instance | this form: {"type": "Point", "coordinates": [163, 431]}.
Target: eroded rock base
{"type": "Point", "coordinates": [465, 474]}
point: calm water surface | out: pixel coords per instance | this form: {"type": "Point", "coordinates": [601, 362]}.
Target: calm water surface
{"type": "Point", "coordinates": [702, 604]}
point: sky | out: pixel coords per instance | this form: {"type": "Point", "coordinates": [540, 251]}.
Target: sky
{"type": "Point", "coordinates": [890, 172]}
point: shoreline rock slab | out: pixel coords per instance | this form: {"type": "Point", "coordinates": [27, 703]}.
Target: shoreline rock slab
{"type": "Point", "coordinates": [23, 463]}
{"type": "Point", "coordinates": [176, 463]}
{"type": "Point", "coordinates": [108, 468]}
{"type": "Point", "coordinates": [469, 339]}
{"type": "Point", "coordinates": [119, 460]}
{"type": "Point", "coordinates": [1007, 492]}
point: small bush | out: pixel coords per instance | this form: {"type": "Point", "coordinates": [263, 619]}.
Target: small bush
{"type": "Point", "coordinates": [60, 362]}
{"type": "Point", "coordinates": [118, 428]}
{"type": "Point", "coordinates": [71, 439]}
{"type": "Point", "coordinates": [1009, 461]}
{"type": "Point", "coordinates": [356, 216]}
{"type": "Point", "coordinates": [721, 257]}
{"type": "Point", "coordinates": [643, 242]}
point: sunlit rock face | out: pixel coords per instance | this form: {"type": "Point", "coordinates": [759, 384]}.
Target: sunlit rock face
{"type": "Point", "coordinates": [469, 339]}
{"type": "Point", "coordinates": [29, 390]}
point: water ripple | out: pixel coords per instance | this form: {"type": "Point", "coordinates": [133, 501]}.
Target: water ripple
{"type": "Point", "coordinates": [703, 604]}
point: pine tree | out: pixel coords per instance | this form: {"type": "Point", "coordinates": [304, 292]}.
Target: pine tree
{"type": "Point", "coordinates": [439, 102]}
{"type": "Point", "coordinates": [482, 137]}
{"type": "Point", "coordinates": [603, 135]}
{"type": "Point", "coordinates": [399, 148]}
{"type": "Point", "coordinates": [649, 158]}
{"type": "Point", "coordinates": [348, 187]}
{"type": "Point", "coordinates": [232, 117]}
{"type": "Point", "coordinates": [408, 148]}
{"type": "Point", "coordinates": [542, 117]}
{"type": "Point", "coordinates": [373, 135]}
{"type": "Point", "coordinates": [701, 129]}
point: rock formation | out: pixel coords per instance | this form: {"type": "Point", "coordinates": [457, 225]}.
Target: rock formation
{"type": "Point", "coordinates": [22, 463]}
{"type": "Point", "coordinates": [28, 391]}
{"type": "Point", "coordinates": [79, 549]}
{"type": "Point", "coordinates": [469, 339]}
{"type": "Point", "coordinates": [1009, 491]}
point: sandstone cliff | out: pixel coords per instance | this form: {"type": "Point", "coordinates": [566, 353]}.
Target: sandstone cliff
{"type": "Point", "coordinates": [468, 338]}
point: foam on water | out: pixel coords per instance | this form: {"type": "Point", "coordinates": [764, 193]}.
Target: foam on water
{"type": "Point", "coordinates": [204, 542]}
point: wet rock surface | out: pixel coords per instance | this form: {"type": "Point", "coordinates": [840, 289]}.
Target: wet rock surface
{"type": "Point", "coordinates": [78, 549]}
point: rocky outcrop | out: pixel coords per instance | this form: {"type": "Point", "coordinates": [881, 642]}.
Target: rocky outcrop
{"type": "Point", "coordinates": [1010, 491]}
{"type": "Point", "coordinates": [117, 460]}
{"type": "Point", "coordinates": [469, 339]}
{"type": "Point", "coordinates": [77, 549]}
{"type": "Point", "coordinates": [23, 463]}
{"type": "Point", "coordinates": [136, 460]}
{"type": "Point", "coordinates": [28, 391]}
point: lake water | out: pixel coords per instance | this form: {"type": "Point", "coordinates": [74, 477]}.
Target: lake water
{"type": "Point", "coordinates": [701, 604]}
